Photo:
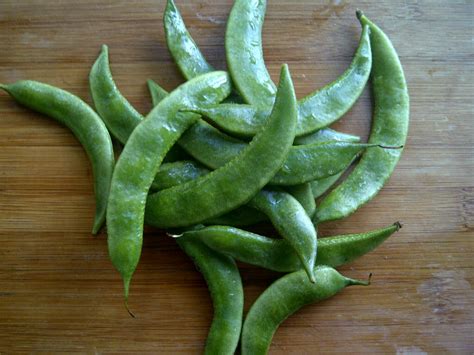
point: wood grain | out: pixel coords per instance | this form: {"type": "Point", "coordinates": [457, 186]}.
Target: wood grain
{"type": "Point", "coordinates": [59, 292]}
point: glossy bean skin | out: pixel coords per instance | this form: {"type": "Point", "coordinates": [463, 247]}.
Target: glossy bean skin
{"type": "Point", "coordinates": [304, 163]}
{"type": "Point", "coordinates": [180, 172]}
{"type": "Point", "coordinates": [225, 285]}
{"type": "Point", "coordinates": [117, 113]}
{"type": "Point", "coordinates": [389, 127]}
{"type": "Point", "coordinates": [325, 135]}
{"type": "Point", "coordinates": [157, 93]}
{"type": "Point", "coordinates": [238, 181]}
{"type": "Point", "coordinates": [175, 173]}
{"type": "Point", "coordinates": [244, 53]}
{"type": "Point", "coordinates": [181, 45]}
{"type": "Point", "coordinates": [277, 255]}
{"type": "Point", "coordinates": [85, 124]}
{"type": "Point", "coordinates": [247, 68]}
{"type": "Point", "coordinates": [292, 222]}
{"type": "Point", "coordinates": [321, 186]}
{"type": "Point", "coordinates": [283, 298]}
{"type": "Point", "coordinates": [304, 195]}
{"type": "Point", "coordinates": [140, 161]}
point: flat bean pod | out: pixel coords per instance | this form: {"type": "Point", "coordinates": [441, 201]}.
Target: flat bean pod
{"type": "Point", "coordinates": [325, 135]}
{"type": "Point", "coordinates": [236, 182]}
{"type": "Point", "coordinates": [304, 163]}
{"type": "Point", "coordinates": [140, 161]}
{"type": "Point", "coordinates": [389, 127]}
{"type": "Point", "coordinates": [292, 222]}
{"type": "Point", "coordinates": [181, 45]}
{"type": "Point", "coordinates": [283, 298]}
{"type": "Point", "coordinates": [175, 173]}
{"type": "Point", "coordinates": [277, 255]}
{"type": "Point", "coordinates": [225, 285]}
{"type": "Point", "coordinates": [81, 119]}
{"type": "Point", "coordinates": [180, 172]}
{"type": "Point", "coordinates": [247, 68]}
{"type": "Point", "coordinates": [118, 114]}
{"type": "Point", "coordinates": [304, 195]}
{"type": "Point", "coordinates": [157, 93]}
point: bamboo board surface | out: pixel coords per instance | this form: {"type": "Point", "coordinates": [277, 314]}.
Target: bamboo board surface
{"type": "Point", "coordinates": [58, 290]}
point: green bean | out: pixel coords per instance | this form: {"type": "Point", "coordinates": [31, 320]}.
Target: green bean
{"type": "Point", "coordinates": [304, 163]}
{"type": "Point", "coordinates": [140, 161]}
{"type": "Point", "coordinates": [283, 298]}
{"type": "Point", "coordinates": [179, 172]}
{"type": "Point", "coordinates": [325, 135]}
{"type": "Point", "coordinates": [304, 195]}
{"type": "Point", "coordinates": [319, 187]}
{"type": "Point", "coordinates": [156, 91]}
{"type": "Point", "coordinates": [277, 254]}
{"type": "Point", "coordinates": [118, 115]}
{"type": "Point", "coordinates": [181, 45]}
{"type": "Point", "coordinates": [88, 128]}
{"type": "Point", "coordinates": [389, 127]}
{"type": "Point", "coordinates": [242, 216]}
{"type": "Point", "coordinates": [292, 222]}
{"type": "Point", "coordinates": [225, 285]}
{"type": "Point", "coordinates": [236, 182]}
{"type": "Point", "coordinates": [244, 54]}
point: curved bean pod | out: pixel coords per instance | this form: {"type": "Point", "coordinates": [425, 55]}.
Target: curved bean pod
{"type": "Point", "coordinates": [157, 93]}
{"type": "Point", "coordinates": [319, 187]}
{"type": "Point", "coordinates": [283, 298]}
{"type": "Point", "coordinates": [325, 135]}
{"type": "Point", "coordinates": [292, 222]}
{"type": "Point", "coordinates": [232, 185]}
{"type": "Point", "coordinates": [117, 113]}
{"type": "Point", "coordinates": [225, 285]}
{"type": "Point", "coordinates": [181, 45]}
{"type": "Point", "coordinates": [244, 54]}
{"type": "Point", "coordinates": [277, 255]}
{"type": "Point", "coordinates": [179, 172]}
{"type": "Point", "coordinates": [140, 161]}
{"type": "Point", "coordinates": [81, 119]}
{"type": "Point", "coordinates": [304, 163]}
{"type": "Point", "coordinates": [304, 195]}
{"type": "Point", "coordinates": [389, 127]}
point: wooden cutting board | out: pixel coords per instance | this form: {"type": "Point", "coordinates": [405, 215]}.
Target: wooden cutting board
{"type": "Point", "coordinates": [60, 293]}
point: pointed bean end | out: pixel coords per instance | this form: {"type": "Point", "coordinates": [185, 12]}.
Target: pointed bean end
{"type": "Point", "coordinates": [398, 224]}
{"type": "Point", "coordinates": [359, 14]}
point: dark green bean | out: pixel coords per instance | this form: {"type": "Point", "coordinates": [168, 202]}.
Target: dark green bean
{"type": "Point", "coordinates": [389, 127]}
{"type": "Point", "coordinates": [140, 161]}
{"type": "Point", "coordinates": [319, 187]}
{"type": "Point", "coordinates": [236, 182]}
{"type": "Point", "coordinates": [225, 285]}
{"type": "Point", "coordinates": [277, 254]}
{"type": "Point", "coordinates": [88, 128]}
{"type": "Point", "coordinates": [283, 298]}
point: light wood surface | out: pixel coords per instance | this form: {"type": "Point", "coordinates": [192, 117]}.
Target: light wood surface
{"type": "Point", "coordinates": [58, 290]}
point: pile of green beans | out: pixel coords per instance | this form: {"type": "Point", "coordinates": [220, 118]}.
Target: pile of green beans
{"type": "Point", "coordinates": [226, 150]}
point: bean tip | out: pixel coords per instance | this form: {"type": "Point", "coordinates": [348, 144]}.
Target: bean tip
{"type": "Point", "coordinates": [398, 224]}
{"type": "Point", "coordinates": [359, 14]}
{"type": "Point", "coordinates": [128, 310]}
